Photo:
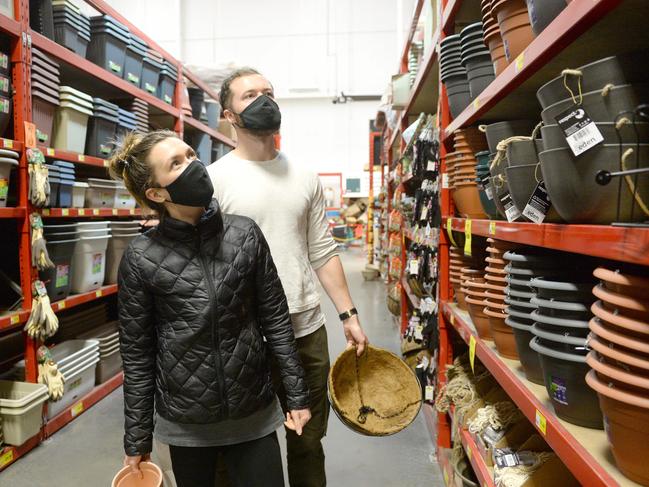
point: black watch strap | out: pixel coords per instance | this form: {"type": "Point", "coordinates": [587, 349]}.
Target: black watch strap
{"type": "Point", "coordinates": [347, 314]}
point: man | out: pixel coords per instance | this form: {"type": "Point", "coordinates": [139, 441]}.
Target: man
{"type": "Point", "coordinates": [287, 202]}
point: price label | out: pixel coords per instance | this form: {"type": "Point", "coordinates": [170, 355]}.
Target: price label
{"type": "Point", "coordinates": [538, 205]}
{"type": "Point", "coordinates": [446, 479]}
{"type": "Point", "coordinates": [65, 212]}
{"type": "Point", "coordinates": [467, 235]}
{"type": "Point", "coordinates": [520, 62]}
{"type": "Point", "coordinates": [81, 158]}
{"type": "Point", "coordinates": [106, 163]}
{"type": "Point", "coordinates": [30, 134]}
{"type": "Point", "coordinates": [46, 212]}
{"type": "Point", "coordinates": [7, 458]}
{"type": "Point", "coordinates": [61, 305]}
{"type": "Point", "coordinates": [581, 132]}
{"type": "Point", "coordinates": [77, 409]}
{"type": "Point", "coordinates": [95, 212]}
{"type": "Point", "coordinates": [414, 267]}
{"type": "Point", "coordinates": [449, 229]}
{"type": "Point", "coordinates": [429, 393]}
{"type": "Point", "coordinates": [445, 183]}
{"type": "Point", "coordinates": [82, 212]}
{"type": "Point", "coordinates": [452, 320]}
{"type": "Point", "coordinates": [472, 353]}
{"type": "Point", "coordinates": [541, 422]}
{"type": "Point", "coordinates": [132, 211]}
{"type": "Point", "coordinates": [99, 294]}
{"type": "Point", "coordinates": [115, 212]}
{"type": "Point", "coordinates": [492, 228]}
{"type": "Point", "coordinates": [14, 320]}
{"type": "Point", "coordinates": [476, 103]}
{"type": "Point", "coordinates": [469, 452]}
{"type": "Point", "coordinates": [8, 143]}
{"type": "Point", "coordinates": [50, 152]}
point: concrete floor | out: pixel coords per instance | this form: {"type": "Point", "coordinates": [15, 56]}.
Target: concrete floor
{"type": "Point", "coordinates": [88, 452]}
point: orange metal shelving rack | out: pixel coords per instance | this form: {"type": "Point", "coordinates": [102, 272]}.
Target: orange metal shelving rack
{"type": "Point", "coordinates": [583, 452]}
{"type": "Point", "coordinates": [22, 38]}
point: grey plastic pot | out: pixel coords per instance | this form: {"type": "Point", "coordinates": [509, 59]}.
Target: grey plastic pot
{"type": "Point", "coordinates": [478, 84]}
{"type": "Point", "coordinates": [576, 341]}
{"type": "Point", "coordinates": [476, 60]}
{"type": "Point", "coordinates": [575, 194]}
{"type": "Point", "coordinates": [473, 42]}
{"type": "Point", "coordinates": [521, 316]}
{"type": "Point", "coordinates": [517, 293]}
{"type": "Point", "coordinates": [521, 181]}
{"type": "Point", "coordinates": [519, 284]}
{"type": "Point", "coordinates": [530, 272]}
{"type": "Point", "coordinates": [455, 72]}
{"type": "Point", "coordinates": [449, 40]}
{"type": "Point", "coordinates": [601, 106]}
{"type": "Point", "coordinates": [503, 130]}
{"type": "Point", "coordinates": [562, 322]}
{"type": "Point", "coordinates": [528, 357]}
{"type": "Point", "coordinates": [554, 138]}
{"type": "Point", "coordinates": [471, 28]}
{"type": "Point", "coordinates": [524, 152]}
{"type": "Point", "coordinates": [562, 290]}
{"type": "Point", "coordinates": [542, 12]}
{"type": "Point", "coordinates": [488, 68]}
{"type": "Point", "coordinates": [621, 69]}
{"type": "Point", "coordinates": [562, 310]}
{"type": "Point", "coordinates": [521, 305]}
{"type": "Point", "coordinates": [459, 101]}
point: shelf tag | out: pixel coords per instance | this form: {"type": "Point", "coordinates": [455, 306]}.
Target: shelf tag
{"type": "Point", "coordinates": [467, 237]}
{"type": "Point", "coordinates": [95, 212]}
{"type": "Point", "coordinates": [472, 353]}
{"type": "Point", "coordinates": [452, 320]}
{"type": "Point", "coordinates": [50, 152]}
{"type": "Point", "coordinates": [449, 229]}
{"type": "Point", "coordinates": [476, 103]}
{"type": "Point", "coordinates": [538, 205]}
{"type": "Point", "coordinates": [7, 458]}
{"type": "Point", "coordinates": [65, 212]}
{"type": "Point", "coordinates": [8, 143]}
{"type": "Point", "coordinates": [541, 422]}
{"type": "Point", "coordinates": [81, 158]}
{"type": "Point", "coordinates": [106, 163]}
{"type": "Point", "coordinates": [14, 320]}
{"type": "Point", "coordinates": [46, 212]}
{"type": "Point", "coordinates": [30, 134]}
{"type": "Point", "coordinates": [61, 305]}
{"type": "Point", "coordinates": [429, 392]}
{"type": "Point", "coordinates": [492, 228]}
{"type": "Point", "coordinates": [444, 180]}
{"type": "Point", "coordinates": [511, 211]}
{"type": "Point", "coordinates": [446, 479]}
{"type": "Point", "coordinates": [520, 62]}
{"type": "Point", "coordinates": [115, 212]}
{"type": "Point", "coordinates": [99, 294]}
{"type": "Point", "coordinates": [77, 409]}
{"type": "Point", "coordinates": [581, 132]}
{"type": "Point", "coordinates": [132, 211]}
{"type": "Point", "coordinates": [469, 452]}
{"type": "Point", "coordinates": [81, 212]}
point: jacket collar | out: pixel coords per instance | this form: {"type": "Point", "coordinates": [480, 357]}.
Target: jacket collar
{"type": "Point", "coordinates": [210, 225]}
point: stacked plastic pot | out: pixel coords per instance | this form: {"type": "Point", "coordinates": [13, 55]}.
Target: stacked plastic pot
{"type": "Point", "coordinates": [110, 360]}
{"type": "Point", "coordinates": [46, 83]}
{"type": "Point", "coordinates": [454, 75]}
{"type": "Point", "coordinates": [72, 116]}
{"type": "Point", "coordinates": [611, 89]}
{"type": "Point", "coordinates": [102, 128]}
{"type": "Point", "coordinates": [493, 38]}
{"type": "Point", "coordinates": [461, 167]}
{"type": "Point", "coordinates": [141, 110]}
{"type": "Point", "coordinates": [41, 17]}
{"type": "Point", "coordinates": [126, 122]}
{"type": "Point", "coordinates": [620, 364]}
{"type": "Point", "coordinates": [108, 44]}
{"type": "Point", "coordinates": [122, 234]}
{"type": "Point", "coordinates": [71, 27]}
{"type": "Point", "coordinates": [514, 25]}
{"type": "Point", "coordinates": [476, 59]}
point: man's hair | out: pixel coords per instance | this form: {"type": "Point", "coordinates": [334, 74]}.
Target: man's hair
{"type": "Point", "coordinates": [225, 95]}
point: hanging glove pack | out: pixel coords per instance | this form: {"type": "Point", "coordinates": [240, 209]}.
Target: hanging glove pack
{"type": "Point", "coordinates": [43, 322]}
{"type": "Point", "coordinates": [39, 184]}
{"type": "Point", "coordinates": [49, 374]}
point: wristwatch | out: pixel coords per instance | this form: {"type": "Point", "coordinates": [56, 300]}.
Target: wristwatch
{"type": "Point", "coordinates": [347, 314]}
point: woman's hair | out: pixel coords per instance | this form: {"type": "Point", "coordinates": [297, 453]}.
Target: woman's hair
{"type": "Point", "coordinates": [129, 163]}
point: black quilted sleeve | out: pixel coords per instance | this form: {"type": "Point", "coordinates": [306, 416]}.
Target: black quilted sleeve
{"type": "Point", "coordinates": [138, 349]}
{"type": "Point", "coordinates": [276, 324]}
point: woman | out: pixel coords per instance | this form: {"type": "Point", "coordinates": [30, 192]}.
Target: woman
{"type": "Point", "coordinates": [200, 305]}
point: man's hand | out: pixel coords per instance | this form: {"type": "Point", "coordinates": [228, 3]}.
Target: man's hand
{"type": "Point", "coordinates": [134, 463]}
{"type": "Point", "coordinates": [355, 335]}
{"type": "Point", "coordinates": [296, 419]}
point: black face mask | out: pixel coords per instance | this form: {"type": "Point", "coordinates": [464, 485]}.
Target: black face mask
{"type": "Point", "coordinates": [193, 187]}
{"type": "Point", "coordinates": [262, 115]}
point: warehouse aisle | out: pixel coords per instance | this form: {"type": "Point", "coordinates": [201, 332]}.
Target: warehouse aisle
{"type": "Point", "coordinates": [88, 451]}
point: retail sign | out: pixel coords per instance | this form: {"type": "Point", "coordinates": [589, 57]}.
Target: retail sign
{"type": "Point", "coordinates": [449, 229]}
{"type": "Point", "coordinates": [472, 343]}
{"type": "Point", "coordinates": [15, 319]}
{"type": "Point", "coordinates": [520, 62]}
{"type": "Point", "coordinates": [581, 132]}
{"type": "Point", "coordinates": [492, 228]}
{"type": "Point", "coordinates": [77, 409]}
{"type": "Point", "coordinates": [541, 422]}
{"type": "Point", "coordinates": [7, 458]}
{"type": "Point", "coordinates": [467, 235]}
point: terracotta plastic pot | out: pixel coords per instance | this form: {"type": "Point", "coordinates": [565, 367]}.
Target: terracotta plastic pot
{"type": "Point", "coordinates": [479, 318]}
{"type": "Point", "coordinates": [495, 296]}
{"type": "Point", "coordinates": [627, 427]}
{"type": "Point", "coordinates": [496, 262]}
{"type": "Point", "coordinates": [461, 299]}
{"type": "Point", "coordinates": [622, 324]}
{"type": "Point", "coordinates": [633, 308]}
{"type": "Point", "coordinates": [515, 27]}
{"type": "Point", "coordinates": [620, 378]}
{"type": "Point", "coordinates": [496, 47]}
{"type": "Point", "coordinates": [627, 284]}
{"type": "Point", "coordinates": [467, 200]}
{"type": "Point", "coordinates": [564, 375]}
{"type": "Point", "coordinates": [496, 271]}
{"type": "Point", "coordinates": [501, 245]}
{"type": "Point", "coordinates": [502, 334]}
{"type": "Point", "coordinates": [496, 279]}
{"type": "Point", "coordinates": [601, 330]}
{"type": "Point", "coordinates": [619, 357]}
{"type": "Point", "coordinates": [152, 476]}
{"type": "Point", "coordinates": [496, 287]}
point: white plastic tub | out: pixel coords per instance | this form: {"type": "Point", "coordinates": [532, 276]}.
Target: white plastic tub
{"type": "Point", "coordinates": [93, 232]}
{"type": "Point", "coordinates": [91, 225]}
{"type": "Point", "coordinates": [79, 382]}
{"type": "Point", "coordinates": [21, 410]}
{"type": "Point", "coordinates": [71, 126]}
{"type": "Point", "coordinates": [6, 164]}
{"type": "Point", "coordinates": [79, 194]}
{"type": "Point", "coordinates": [69, 368]}
{"type": "Point", "coordinates": [89, 264]}
{"type": "Point", "coordinates": [109, 350]}
{"type": "Point", "coordinates": [100, 196]}
{"type": "Point", "coordinates": [116, 248]}
{"type": "Point", "coordinates": [123, 199]}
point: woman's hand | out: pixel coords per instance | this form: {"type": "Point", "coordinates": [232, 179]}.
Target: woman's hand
{"type": "Point", "coordinates": [296, 419]}
{"type": "Point", "coordinates": [134, 463]}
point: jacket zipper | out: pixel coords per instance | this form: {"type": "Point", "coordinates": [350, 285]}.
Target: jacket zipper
{"type": "Point", "coordinates": [216, 338]}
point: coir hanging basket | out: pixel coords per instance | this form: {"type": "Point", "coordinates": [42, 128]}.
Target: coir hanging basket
{"type": "Point", "coordinates": [376, 394]}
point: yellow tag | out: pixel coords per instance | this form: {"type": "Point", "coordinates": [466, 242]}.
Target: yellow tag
{"type": "Point", "coordinates": [476, 103]}
{"type": "Point", "coordinates": [115, 212]}
{"type": "Point", "coordinates": [7, 458]}
{"type": "Point", "coordinates": [492, 228]}
{"type": "Point", "coordinates": [65, 212]}
{"type": "Point", "coordinates": [541, 422]}
{"type": "Point", "coordinates": [14, 320]}
{"type": "Point", "coordinates": [469, 452]}
{"type": "Point", "coordinates": [46, 212]}
{"type": "Point", "coordinates": [520, 62]}
{"type": "Point", "coordinates": [467, 235]}
{"type": "Point", "coordinates": [99, 294]}
{"type": "Point", "coordinates": [446, 479]}
{"type": "Point", "coordinates": [62, 305]}
{"type": "Point", "coordinates": [82, 212]}
{"type": "Point", "coordinates": [50, 152]}
{"type": "Point", "coordinates": [449, 228]}
{"type": "Point", "coordinates": [81, 158]}
{"type": "Point", "coordinates": [77, 409]}
{"type": "Point", "coordinates": [9, 144]}
{"type": "Point", "coordinates": [106, 163]}
{"type": "Point", "coordinates": [95, 212]}
{"type": "Point", "coordinates": [472, 352]}
{"type": "Point", "coordinates": [132, 211]}
{"type": "Point", "coordinates": [452, 320]}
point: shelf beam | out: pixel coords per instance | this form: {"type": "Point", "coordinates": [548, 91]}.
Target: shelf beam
{"type": "Point", "coordinates": [197, 124]}
{"type": "Point", "coordinates": [79, 299]}
{"type": "Point", "coordinates": [10, 454]}
{"type": "Point", "coordinates": [75, 157]}
{"type": "Point", "coordinates": [9, 26]}
{"type": "Point", "coordinates": [88, 212]}
{"type": "Point", "coordinates": [483, 473]}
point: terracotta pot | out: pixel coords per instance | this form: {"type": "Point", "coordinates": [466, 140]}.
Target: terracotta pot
{"type": "Point", "coordinates": [496, 261]}
{"type": "Point", "coordinates": [633, 308]}
{"type": "Point", "coordinates": [495, 297]}
{"type": "Point", "coordinates": [480, 320]}
{"type": "Point", "coordinates": [496, 287]}
{"type": "Point", "coordinates": [627, 426]}
{"type": "Point", "coordinates": [497, 52]}
{"type": "Point", "coordinates": [502, 245]}
{"type": "Point", "coordinates": [618, 377]}
{"type": "Point", "coordinates": [496, 306]}
{"type": "Point", "coordinates": [496, 271]}
{"type": "Point", "coordinates": [477, 286]}
{"type": "Point", "coordinates": [623, 324]}
{"type": "Point", "coordinates": [619, 357]}
{"type": "Point", "coordinates": [515, 27]}
{"type": "Point", "coordinates": [469, 271]}
{"type": "Point", "coordinates": [600, 329]}
{"type": "Point", "coordinates": [493, 278]}
{"type": "Point", "coordinates": [461, 299]}
{"type": "Point", "coordinates": [626, 284]}
{"type": "Point", "coordinates": [467, 201]}
{"type": "Point", "coordinates": [502, 334]}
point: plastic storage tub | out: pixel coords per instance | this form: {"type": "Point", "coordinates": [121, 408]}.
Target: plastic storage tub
{"type": "Point", "coordinates": [79, 194]}
{"type": "Point", "coordinates": [135, 52]}
{"type": "Point", "coordinates": [167, 82]}
{"type": "Point", "coordinates": [71, 127]}
{"type": "Point", "coordinates": [89, 264]}
{"type": "Point", "coordinates": [5, 114]}
{"type": "Point", "coordinates": [79, 382]}
{"type": "Point", "coordinates": [114, 253]}
{"type": "Point", "coordinates": [64, 199]}
{"type": "Point", "coordinates": [6, 165]}
{"type": "Point", "coordinates": [101, 132]}
{"type": "Point", "coordinates": [213, 109]}
{"type": "Point", "coordinates": [57, 280]}
{"type": "Point", "coordinates": [108, 48]}
{"type": "Point", "coordinates": [43, 111]}
{"type": "Point", "coordinates": [109, 365]}
{"type": "Point", "coordinates": [151, 68]}
{"type": "Point", "coordinates": [100, 194]}
{"type": "Point", "coordinates": [21, 409]}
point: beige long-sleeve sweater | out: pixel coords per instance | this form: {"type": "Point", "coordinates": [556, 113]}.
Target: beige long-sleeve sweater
{"type": "Point", "coordinates": [287, 203]}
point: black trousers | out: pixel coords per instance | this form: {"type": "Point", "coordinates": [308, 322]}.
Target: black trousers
{"type": "Point", "coordinates": [256, 463]}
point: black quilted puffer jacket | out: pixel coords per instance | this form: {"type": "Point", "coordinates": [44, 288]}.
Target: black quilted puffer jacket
{"type": "Point", "coordinates": [199, 307]}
